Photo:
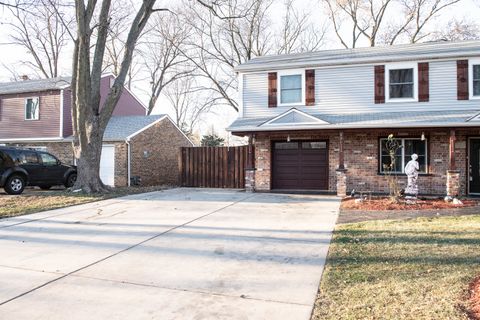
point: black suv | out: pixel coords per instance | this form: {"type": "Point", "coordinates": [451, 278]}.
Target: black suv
{"type": "Point", "coordinates": [22, 167]}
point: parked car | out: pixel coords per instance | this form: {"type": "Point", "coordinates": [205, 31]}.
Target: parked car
{"type": "Point", "coordinates": [22, 167]}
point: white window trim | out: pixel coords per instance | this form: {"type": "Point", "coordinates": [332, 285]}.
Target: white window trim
{"type": "Point", "coordinates": [279, 86]}
{"type": "Point", "coordinates": [382, 171]}
{"type": "Point", "coordinates": [25, 109]}
{"type": "Point", "coordinates": [471, 63]}
{"type": "Point", "coordinates": [401, 65]}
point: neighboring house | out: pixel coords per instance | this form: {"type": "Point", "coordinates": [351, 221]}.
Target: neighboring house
{"type": "Point", "coordinates": [37, 114]}
{"type": "Point", "coordinates": [319, 121]}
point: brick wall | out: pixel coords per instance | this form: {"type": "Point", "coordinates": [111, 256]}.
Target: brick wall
{"type": "Point", "coordinates": [361, 150]}
{"type": "Point", "coordinates": [62, 150]}
{"type": "Point", "coordinates": [155, 152]}
{"type": "Point", "coordinates": [121, 164]}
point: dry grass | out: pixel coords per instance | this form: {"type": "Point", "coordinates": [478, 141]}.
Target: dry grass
{"type": "Point", "coordinates": [411, 269]}
{"type": "Point", "coordinates": [35, 200]}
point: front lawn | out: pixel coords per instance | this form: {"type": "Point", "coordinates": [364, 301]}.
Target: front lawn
{"type": "Point", "coordinates": [410, 269]}
{"type": "Point", "coordinates": [34, 200]}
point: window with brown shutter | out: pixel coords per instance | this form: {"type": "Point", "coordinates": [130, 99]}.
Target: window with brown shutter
{"type": "Point", "coordinates": [462, 80]}
{"type": "Point", "coordinates": [272, 89]}
{"type": "Point", "coordinates": [310, 87]}
{"type": "Point", "coordinates": [423, 82]}
{"type": "Point", "coordinates": [379, 84]}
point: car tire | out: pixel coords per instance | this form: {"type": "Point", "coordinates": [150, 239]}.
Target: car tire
{"type": "Point", "coordinates": [45, 187]}
{"type": "Point", "coordinates": [71, 179]}
{"type": "Point", "coordinates": [15, 184]}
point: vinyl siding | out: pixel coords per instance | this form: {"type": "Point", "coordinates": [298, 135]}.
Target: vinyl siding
{"type": "Point", "coordinates": [67, 113]}
{"type": "Point", "coordinates": [350, 89]}
{"type": "Point", "coordinates": [12, 121]}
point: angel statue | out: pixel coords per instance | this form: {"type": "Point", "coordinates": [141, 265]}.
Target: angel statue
{"type": "Point", "coordinates": [411, 170]}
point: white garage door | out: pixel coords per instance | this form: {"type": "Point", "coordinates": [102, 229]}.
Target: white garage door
{"type": "Point", "coordinates": [107, 165]}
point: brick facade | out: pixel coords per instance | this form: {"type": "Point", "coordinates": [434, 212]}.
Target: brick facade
{"type": "Point", "coordinates": [155, 153]}
{"type": "Point", "coordinates": [361, 152]}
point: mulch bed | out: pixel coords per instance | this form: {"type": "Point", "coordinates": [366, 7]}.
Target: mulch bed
{"type": "Point", "coordinates": [378, 204]}
{"type": "Point", "coordinates": [384, 209]}
{"type": "Point", "coordinates": [474, 299]}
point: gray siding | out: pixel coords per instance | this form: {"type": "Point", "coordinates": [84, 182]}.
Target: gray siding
{"type": "Point", "coordinates": [350, 89]}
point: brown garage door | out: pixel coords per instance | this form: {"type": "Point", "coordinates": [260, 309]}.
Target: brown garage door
{"type": "Point", "coordinates": [300, 165]}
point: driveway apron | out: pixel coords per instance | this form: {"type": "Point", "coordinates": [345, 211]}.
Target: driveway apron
{"type": "Point", "coordinates": [175, 254]}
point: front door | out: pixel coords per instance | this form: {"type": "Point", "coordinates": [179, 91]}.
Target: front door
{"type": "Point", "coordinates": [474, 171]}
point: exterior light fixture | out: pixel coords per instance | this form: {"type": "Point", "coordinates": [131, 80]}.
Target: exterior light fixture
{"type": "Point", "coordinates": [288, 138]}
{"type": "Point", "coordinates": [423, 136]}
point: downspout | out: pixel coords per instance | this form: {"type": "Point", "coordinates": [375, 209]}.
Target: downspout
{"type": "Point", "coordinates": [128, 161]}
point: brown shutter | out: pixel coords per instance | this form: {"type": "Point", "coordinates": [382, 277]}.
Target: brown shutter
{"type": "Point", "coordinates": [272, 89]}
{"type": "Point", "coordinates": [310, 87]}
{"type": "Point", "coordinates": [379, 84]}
{"type": "Point", "coordinates": [423, 82]}
{"type": "Point", "coordinates": [462, 79]}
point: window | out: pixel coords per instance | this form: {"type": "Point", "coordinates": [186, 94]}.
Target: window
{"type": "Point", "coordinates": [48, 160]}
{"type": "Point", "coordinates": [475, 76]}
{"type": "Point", "coordinates": [286, 145]}
{"type": "Point", "coordinates": [402, 82]}
{"type": "Point", "coordinates": [32, 106]}
{"type": "Point", "coordinates": [291, 87]}
{"type": "Point", "coordinates": [314, 145]}
{"type": "Point", "coordinates": [403, 155]}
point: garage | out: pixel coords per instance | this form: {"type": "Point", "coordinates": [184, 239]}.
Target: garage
{"type": "Point", "coordinates": [107, 164]}
{"type": "Point", "coordinates": [300, 165]}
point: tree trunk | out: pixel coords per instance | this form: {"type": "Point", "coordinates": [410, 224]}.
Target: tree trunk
{"type": "Point", "coordinates": [88, 166]}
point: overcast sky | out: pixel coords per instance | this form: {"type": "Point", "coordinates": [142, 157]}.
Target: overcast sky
{"type": "Point", "coordinates": [11, 55]}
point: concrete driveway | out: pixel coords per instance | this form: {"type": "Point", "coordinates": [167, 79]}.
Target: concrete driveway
{"type": "Point", "coordinates": [175, 254]}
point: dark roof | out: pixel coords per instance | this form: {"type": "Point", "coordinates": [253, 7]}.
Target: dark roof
{"type": "Point", "coordinates": [35, 85]}
{"type": "Point", "coordinates": [119, 128]}
{"type": "Point", "coordinates": [413, 119]}
{"type": "Point", "coordinates": [426, 51]}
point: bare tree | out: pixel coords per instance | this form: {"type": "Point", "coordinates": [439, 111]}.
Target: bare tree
{"type": "Point", "coordinates": [161, 54]}
{"type": "Point", "coordinates": [298, 33]}
{"type": "Point", "coordinates": [90, 117]}
{"type": "Point", "coordinates": [417, 15]}
{"type": "Point", "coordinates": [120, 19]}
{"type": "Point", "coordinates": [219, 44]}
{"type": "Point", "coordinates": [189, 102]}
{"type": "Point", "coordinates": [366, 19]}
{"type": "Point", "coordinates": [458, 30]}
{"type": "Point", "coordinates": [44, 33]}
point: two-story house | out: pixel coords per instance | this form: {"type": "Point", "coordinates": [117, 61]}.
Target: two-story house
{"type": "Point", "coordinates": [320, 120]}
{"type": "Point", "coordinates": [38, 114]}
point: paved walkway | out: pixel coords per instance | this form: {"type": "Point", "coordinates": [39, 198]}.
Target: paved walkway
{"type": "Point", "coordinates": [175, 254]}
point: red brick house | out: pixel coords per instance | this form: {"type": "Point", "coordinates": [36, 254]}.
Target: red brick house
{"type": "Point", "coordinates": [319, 120]}
{"type": "Point", "coordinates": [37, 114]}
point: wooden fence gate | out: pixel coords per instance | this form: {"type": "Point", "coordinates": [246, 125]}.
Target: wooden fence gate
{"type": "Point", "coordinates": [213, 167]}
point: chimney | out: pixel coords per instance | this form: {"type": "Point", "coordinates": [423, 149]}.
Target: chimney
{"type": "Point", "coordinates": [24, 77]}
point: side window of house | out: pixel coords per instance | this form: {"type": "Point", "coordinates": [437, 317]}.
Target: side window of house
{"type": "Point", "coordinates": [401, 83]}
{"type": "Point", "coordinates": [291, 91]}
{"type": "Point", "coordinates": [28, 157]}
{"type": "Point", "coordinates": [404, 154]}
{"type": "Point", "coordinates": [32, 109]}
{"type": "Point", "coordinates": [476, 80]}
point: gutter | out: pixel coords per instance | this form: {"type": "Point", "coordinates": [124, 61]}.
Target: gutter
{"type": "Point", "coordinates": [366, 126]}
{"type": "Point", "coordinates": [128, 161]}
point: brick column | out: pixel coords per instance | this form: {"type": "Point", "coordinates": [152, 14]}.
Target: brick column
{"type": "Point", "coordinates": [250, 167]}
{"type": "Point", "coordinates": [453, 175]}
{"type": "Point", "coordinates": [453, 183]}
{"type": "Point", "coordinates": [341, 182]}
{"type": "Point", "coordinates": [341, 172]}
